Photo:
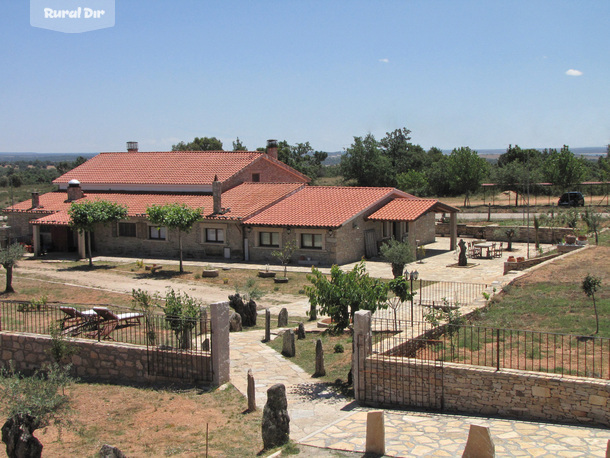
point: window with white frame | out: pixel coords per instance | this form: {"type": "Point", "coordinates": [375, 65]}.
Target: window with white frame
{"type": "Point", "coordinates": [311, 241]}
{"type": "Point", "coordinates": [157, 233]}
{"type": "Point", "coordinates": [270, 239]}
{"type": "Point", "coordinates": [214, 235]}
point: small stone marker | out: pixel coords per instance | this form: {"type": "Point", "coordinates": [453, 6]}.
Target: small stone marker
{"type": "Point", "coordinates": [251, 392]}
{"type": "Point", "coordinates": [608, 450]}
{"type": "Point", "coordinates": [108, 451]}
{"type": "Point", "coordinates": [282, 318]}
{"type": "Point", "coordinates": [320, 370]}
{"type": "Point", "coordinates": [267, 325]}
{"type": "Point", "coordinates": [288, 347]}
{"type": "Point", "coordinates": [205, 345]}
{"type": "Point", "coordinates": [235, 322]}
{"type": "Point", "coordinates": [301, 332]}
{"type": "Point", "coordinates": [375, 433]}
{"type": "Point", "coordinates": [479, 443]}
{"type": "Point", "coordinates": [276, 422]}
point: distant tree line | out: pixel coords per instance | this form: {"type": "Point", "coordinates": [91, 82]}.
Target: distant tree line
{"type": "Point", "coordinates": [20, 173]}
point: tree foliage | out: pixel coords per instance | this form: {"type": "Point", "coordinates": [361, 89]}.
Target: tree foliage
{"type": "Point", "coordinates": [398, 254]}
{"type": "Point", "coordinates": [467, 171]}
{"type": "Point", "coordinates": [84, 216]}
{"type": "Point", "coordinates": [181, 314]}
{"type": "Point", "coordinates": [8, 259]}
{"type": "Point", "coordinates": [285, 254]}
{"type": "Point", "coordinates": [341, 296]}
{"type": "Point", "coordinates": [564, 169]}
{"type": "Point", "coordinates": [364, 163]}
{"type": "Point", "coordinates": [199, 144]}
{"type": "Point", "coordinates": [239, 146]}
{"type": "Point", "coordinates": [590, 285]}
{"type": "Point", "coordinates": [174, 216]}
{"type": "Point", "coordinates": [302, 157]}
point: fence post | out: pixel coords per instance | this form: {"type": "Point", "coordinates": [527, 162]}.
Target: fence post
{"type": "Point", "coordinates": [362, 343]}
{"type": "Point", "coordinates": [498, 349]}
{"type": "Point", "coordinates": [221, 363]}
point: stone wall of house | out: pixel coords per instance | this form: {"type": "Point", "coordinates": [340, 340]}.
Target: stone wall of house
{"type": "Point", "coordinates": [20, 224]}
{"type": "Point", "coordinates": [194, 246]}
{"type": "Point", "coordinates": [485, 391]}
{"type": "Point", "coordinates": [423, 229]}
{"type": "Point", "coordinates": [105, 361]}
{"type": "Point", "coordinates": [497, 233]}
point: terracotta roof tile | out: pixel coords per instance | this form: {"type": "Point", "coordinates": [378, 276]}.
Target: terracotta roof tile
{"type": "Point", "coordinates": [409, 209]}
{"type": "Point", "coordinates": [240, 202]}
{"type": "Point", "coordinates": [322, 206]}
{"type": "Point", "coordinates": [171, 167]}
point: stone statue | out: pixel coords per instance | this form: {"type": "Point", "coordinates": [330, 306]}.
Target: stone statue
{"type": "Point", "coordinates": [462, 260]}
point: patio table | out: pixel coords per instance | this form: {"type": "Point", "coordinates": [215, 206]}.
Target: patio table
{"type": "Point", "coordinates": [487, 246]}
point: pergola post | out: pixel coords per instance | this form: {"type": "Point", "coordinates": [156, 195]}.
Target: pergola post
{"type": "Point", "coordinates": [82, 246]}
{"type": "Point", "coordinates": [36, 240]}
{"type": "Point", "coordinates": [453, 231]}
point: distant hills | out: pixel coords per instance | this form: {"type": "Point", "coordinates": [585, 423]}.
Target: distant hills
{"type": "Point", "coordinates": [53, 157]}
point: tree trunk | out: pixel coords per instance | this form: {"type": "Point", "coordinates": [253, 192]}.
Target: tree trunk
{"type": "Point", "coordinates": [180, 249]}
{"type": "Point", "coordinates": [9, 279]}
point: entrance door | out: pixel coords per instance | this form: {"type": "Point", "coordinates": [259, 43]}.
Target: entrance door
{"type": "Point", "coordinates": [370, 243]}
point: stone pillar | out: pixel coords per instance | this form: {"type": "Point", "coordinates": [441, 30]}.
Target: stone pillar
{"type": "Point", "coordinates": [282, 318]}
{"type": "Point", "coordinates": [479, 444]}
{"type": "Point", "coordinates": [82, 245]}
{"type": "Point", "coordinates": [320, 369]}
{"type": "Point", "coordinates": [452, 231]}
{"type": "Point", "coordinates": [362, 348]}
{"type": "Point", "coordinates": [267, 325]}
{"type": "Point", "coordinates": [288, 347]}
{"type": "Point", "coordinates": [36, 240]}
{"type": "Point", "coordinates": [221, 357]}
{"type": "Point", "coordinates": [251, 392]}
{"type": "Point", "coordinates": [375, 433]}
{"type": "Point", "coordinates": [301, 332]}
{"type": "Point", "coordinates": [276, 422]}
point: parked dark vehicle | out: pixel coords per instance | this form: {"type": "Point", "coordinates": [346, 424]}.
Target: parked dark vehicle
{"type": "Point", "coordinates": [571, 199]}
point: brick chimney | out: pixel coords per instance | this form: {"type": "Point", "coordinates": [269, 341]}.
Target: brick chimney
{"type": "Point", "coordinates": [216, 193]}
{"type": "Point", "coordinates": [75, 192]}
{"type": "Point", "coordinates": [132, 147]}
{"type": "Point", "coordinates": [35, 200]}
{"type": "Point", "coordinates": [272, 148]}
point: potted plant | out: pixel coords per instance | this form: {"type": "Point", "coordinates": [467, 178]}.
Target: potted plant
{"type": "Point", "coordinates": [511, 259]}
{"type": "Point", "coordinates": [520, 259]}
{"type": "Point", "coordinates": [570, 239]}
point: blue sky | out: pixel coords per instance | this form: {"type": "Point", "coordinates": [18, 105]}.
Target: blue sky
{"type": "Point", "coordinates": [482, 74]}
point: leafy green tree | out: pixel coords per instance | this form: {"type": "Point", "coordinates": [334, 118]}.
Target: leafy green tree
{"type": "Point", "coordinates": [175, 216]}
{"type": "Point", "coordinates": [403, 154]}
{"type": "Point", "coordinates": [467, 171]}
{"type": "Point", "coordinates": [531, 156]}
{"type": "Point", "coordinates": [8, 259]}
{"type": "Point", "coordinates": [65, 166]}
{"type": "Point", "coordinates": [302, 157]}
{"type": "Point", "coordinates": [239, 146]}
{"type": "Point", "coordinates": [84, 216]}
{"type": "Point", "coordinates": [590, 285]}
{"type": "Point", "coordinates": [594, 221]}
{"type": "Point", "coordinates": [398, 254]}
{"type": "Point", "coordinates": [181, 314]}
{"type": "Point", "coordinates": [413, 182]}
{"type": "Point", "coordinates": [364, 163]}
{"type": "Point", "coordinates": [199, 144]}
{"type": "Point", "coordinates": [400, 288]}
{"type": "Point", "coordinates": [285, 254]}
{"type": "Point", "coordinates": [341, 296]}
{"type": "Point", "coordinates": [439, 176]}
{"type": "Point", "coordinates": [563, 169]}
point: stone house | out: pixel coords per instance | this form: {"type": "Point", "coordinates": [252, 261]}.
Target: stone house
{"type": "Point", "coordinates": [253, 204]}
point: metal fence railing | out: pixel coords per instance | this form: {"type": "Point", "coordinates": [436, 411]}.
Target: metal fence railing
{"type": "Point", "coordinates": [154, 330]}
{"type": "Point", "coordinates": [582, 356]}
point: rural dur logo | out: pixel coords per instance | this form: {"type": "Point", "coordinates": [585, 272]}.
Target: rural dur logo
{"type": "Point", "coordinates": [72, 16]}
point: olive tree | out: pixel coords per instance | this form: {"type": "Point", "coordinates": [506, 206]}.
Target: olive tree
{"type": "Point", "coordinates": [590, 285]}
{"type": "Point", "coordinates": [181, 314]}
{"type": "Point", "coordinates": [399, 254]}
{"type": "Point", "coordinates": [175, 216]}
{"type": "Point", "coordinates": [84, 216]}
{"type": "Point", "coordinates": [8, 259]}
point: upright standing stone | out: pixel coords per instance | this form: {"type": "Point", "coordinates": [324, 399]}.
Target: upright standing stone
{"type": "Point", "coordinates": [235, 322]}
{"type": "Point", "coordinates": [288, 347]}
{"type": "Point", "coordinates": [375, 433]}
{"type": "Point", "coordinates": [282, 318]}
{"type": "Point", "coordinates": [18, 435]}
{"type": "Point", "coordinates": [320, 370]}
{"type": "Point", "coordinates": [221, 353]}
{"type": "Point", "coordinates": [276, 422]}
{"type": "Point", "coordinates": [301, 332]}
{"type": "Point", "coordinates": [251, 392]}
{"type": "Point", "coordinates": [109, 451]}
{"type": "Point", "coordinates": [479, 443]}
{"type": "Point", "coordinates": [267, 325]}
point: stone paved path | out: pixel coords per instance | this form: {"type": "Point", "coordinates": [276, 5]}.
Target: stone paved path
{"type": "Point", "coordinates": [321, 418]}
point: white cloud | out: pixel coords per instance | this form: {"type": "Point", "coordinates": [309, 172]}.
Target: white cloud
{"type": "Point", "coordinates": [385, 61]}
{"type": "Point", "coordinates": [572, 72]}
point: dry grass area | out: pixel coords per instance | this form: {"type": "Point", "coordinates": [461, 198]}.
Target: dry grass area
{"type": "Point", "coordinates": [145, 422]}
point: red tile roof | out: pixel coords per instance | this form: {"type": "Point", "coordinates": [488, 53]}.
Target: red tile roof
{"type": "Point", "coordinates": [171, 167]}
{"type": "Point", "coordinates": [323, 206]}
{"type": "Point", "coordinates": [240, 202]}
{"type": "Point", "coordinates": [409, 209]}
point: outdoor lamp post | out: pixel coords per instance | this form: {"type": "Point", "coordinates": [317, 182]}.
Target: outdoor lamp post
{"type": "Point", "coordinates": [412, 276]}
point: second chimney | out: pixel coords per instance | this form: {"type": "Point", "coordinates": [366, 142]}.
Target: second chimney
{"type": "Point", "coordinates": [132, 147]}
{"type": "Point", "coordinates": [75, 192]}
{"type": "Point", "coordinates": [35, 200]}
{"type": "Point", "coordinates": [272, 148]}
{"type": "Point", "coordinates": [216, 193]}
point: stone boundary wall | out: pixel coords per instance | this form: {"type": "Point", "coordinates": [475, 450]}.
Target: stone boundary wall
{"type": "Point", "coordinates": [522, 265]}
{"type": "Point", "coordinates": [103, 361]}
{"type": "Point", "coordinates": [545, 234]}
{"type": "Point", "coordinates": [485, 391]}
